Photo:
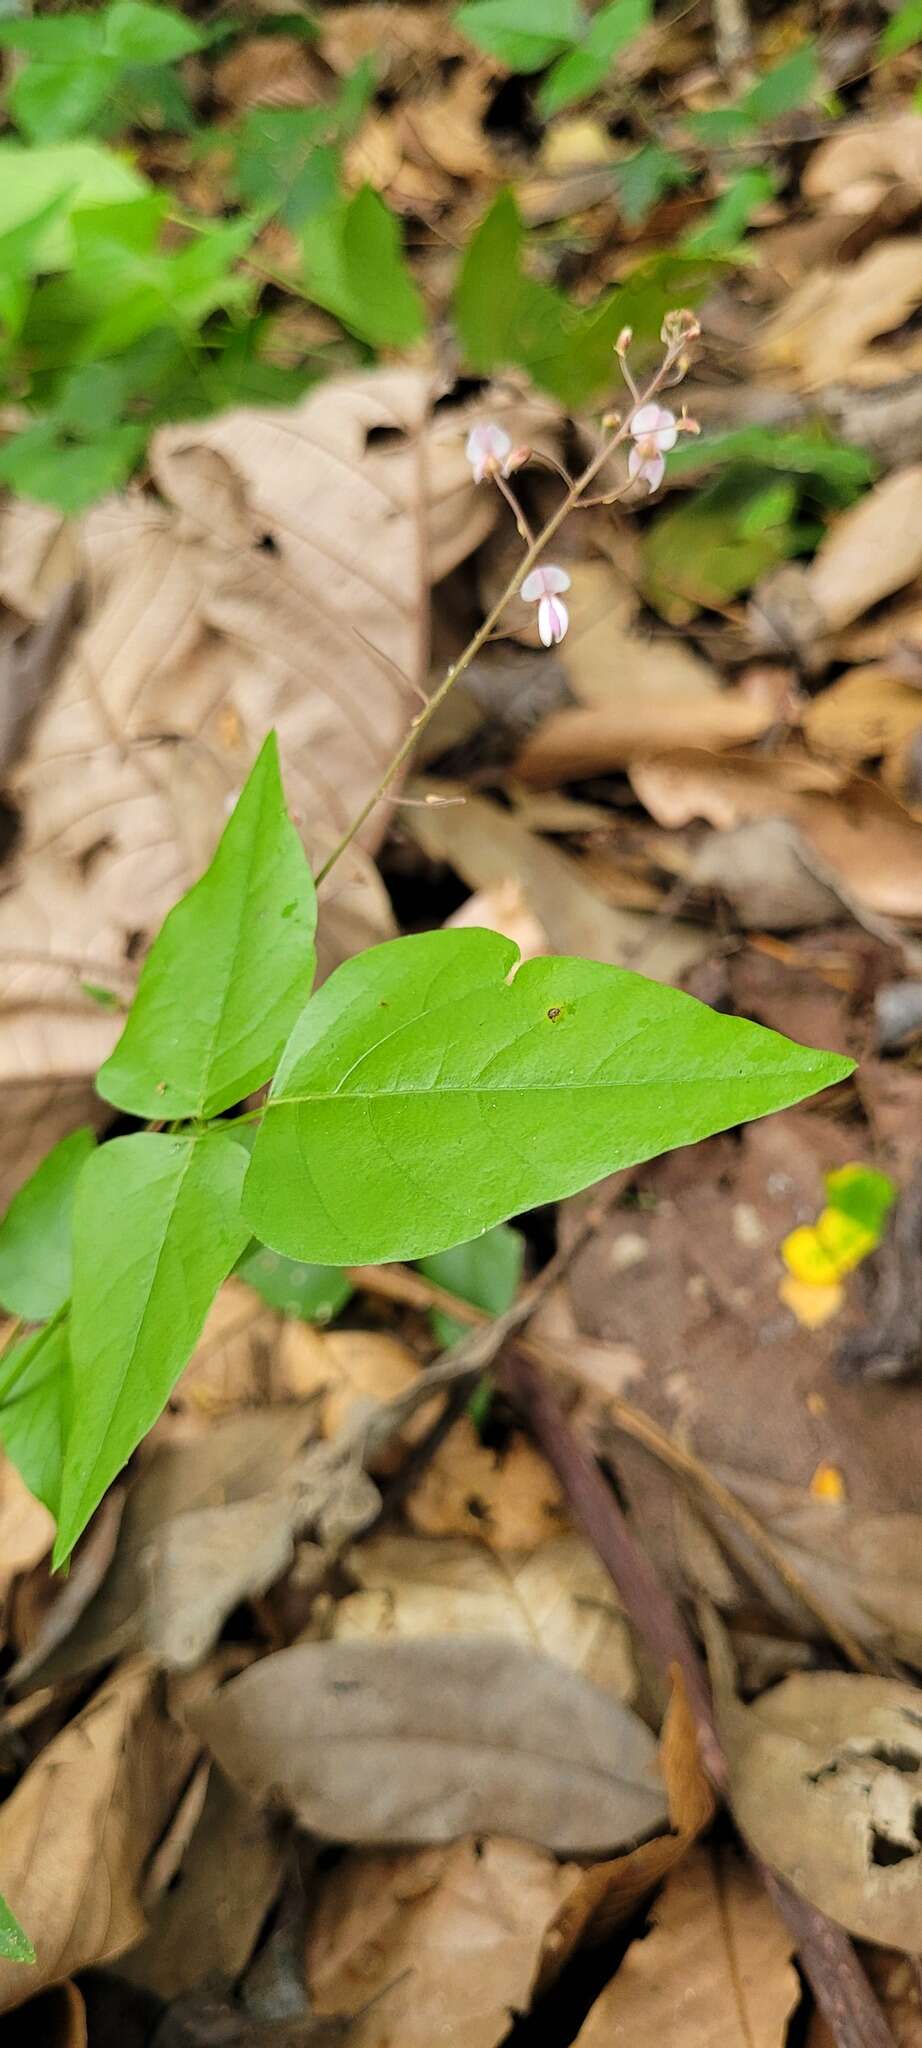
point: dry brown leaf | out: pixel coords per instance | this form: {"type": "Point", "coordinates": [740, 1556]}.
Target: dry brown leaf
{"type": "Point", "coordinates": [206, 1923]}
{"type": "Point", "coordinates": [859, 842]}
{"type": "Point", "coordinates": [200, 608]}
{"type": "Point", "coordinates": [607, 662]}
{"type": "Point", "coordinates": [509, 1499]}
{"type": "Point", "coordinates": [716, 1969]}
{"type": "Point", "coordinates": [403, 42]}
{"type": "Point", "coordinates": [872, 550]}
{"type": "Point", "coordinates": [826, 1774]}
{"type": "Point", "coordinates": [558, 1599]}
{"type": "Point", "coordinates": [760, 870]}
{"type": "Point", "coordinates": [269, 71]}
{"type": "Point", "coordinates": [868, 714]}
{"type": "Point", "coordinates": [76, 1833]}
{"type": "Point", "coordinates": [456, 1932]}
{"type": "Point", "coordinates": [823, 329]}
{"type": "Point", "coordinates": [196, 1489]}
{"type": "Point", "coordinates": [503, 909]}
{"type": "Point", "coordinates": [609, 1893]}
{"type": "Point", "coordinates": [866, 151]}
{"type": "Point", "coordinates": [577, 743]}
{"type": "Point", "coordinates": [490, 846]}
{"type": "Point", "coordinates": [347, 1369]}
{"type": "Point", "coordinates": [427, 1740]}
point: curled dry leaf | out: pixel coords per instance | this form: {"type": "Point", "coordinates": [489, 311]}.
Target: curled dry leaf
{"type": "Point", "coordinates": [715, 1969]}
{"type": "Point", "coordinates": [76, 1833]}
{"type": "Point", "coordinates": [193, 644]}
{"type": "Point", "coordinates": [826, 1783]}
{"type": "Point", "coordinates": [415, 1921]}
{"type": "Point", "coordinates": [424, 1741]}
{"type": "Point", "coordinates": [868, 714]}
{"type": "Point", "coordinates": [346, 1370]}
{"type": "Point", "coordinates": [558, 1599]}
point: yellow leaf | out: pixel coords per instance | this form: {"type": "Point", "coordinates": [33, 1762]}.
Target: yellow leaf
{"type": "Point", "coordinates": [812, 1305]}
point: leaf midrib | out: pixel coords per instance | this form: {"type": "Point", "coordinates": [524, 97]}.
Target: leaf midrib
{"type": "Point", "coordinates": [722, 1079]}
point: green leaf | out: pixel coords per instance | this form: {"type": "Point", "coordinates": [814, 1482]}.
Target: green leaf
{"type": "Point", "coordinates": [523, 34]}
{"type": "Point", "coordinates": [35, 1256]}
{"type": "Point", "coordinates": [503, 316]}
{"type": "Point", "coordinates": [313, 1293]}
{"type": "Point", "coordinates": [58, 39]}
{"type": "Point", "coordinates": [862, 1193]}
{"type": "Point", "coordinates": [717, 126]}
{"type": "Point", "coordinates": [719, 542]}
{"type": "Point", "coordinates": [15, 1946]}
{"type": "Point", "coordinates": [790, 85]}
{"type": "Point", "coordinates": [81, 174]}
{"type": "Point", "coordinates": [35, 1413]}
{"type": "Point", "coordinates": [157, 1228]}
{"type": "Point", "coordinates": [727, 222]}
{"type": "Point", "coordinates": [51, 102]}
{"type": "Point", "coordinates": [578, 74]}
{"type": "Point", "coordinates": [136, 33]}
{"type": "Point", "coordinates": [354, 267]}
{"type": "Point", "coordinates": [645, 179]}
{"type": "Point", "coordinates": [903, 29]}
{"type": "Point", "coordinates": [838, 473]}
{"type": "Point", "coordinates": [423, 1096]}
{"type": "Point", "coordinates": [49, 463]}
{"type": "Point", "coordinates": [228, 973]}
{"type": "Point", "coordinates": [486, 1272]}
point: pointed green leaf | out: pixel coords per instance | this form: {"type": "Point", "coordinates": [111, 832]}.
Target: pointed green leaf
{"type": "Point", "coordinates": [354, 266]}
{"type": "Point", "coordinates": [582, 70]}
{"type": "Point", "coordinates": [35, 1259]}
{"type": "Point", "coordinates": [228, 973]}
{"type": "Point", "coordinates": [35, 1408]}
{"type": "Point", "coordinates": [157, 1228]}
{"type": "Point", "coordinates": [523, 34]}
{"type": "Point", "coordinates": [423, 1096]}
{"type": "Point", "coordinates": [137, 33]}
{"type": "Point", "coordinates": [15, 1945]}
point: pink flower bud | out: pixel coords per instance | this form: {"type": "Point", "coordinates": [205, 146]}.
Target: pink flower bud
{"type": "Point", "coordinates": [624, 340]}
{"type": "Point", "coordinates": [543, 587]}
{"type": "Point", "coordinates": [488, 449]}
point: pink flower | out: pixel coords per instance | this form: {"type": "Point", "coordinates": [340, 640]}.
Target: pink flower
{"type": "Point", "coordinates": [542, 587]}
{"type": "Point", "coordinates": [488, 449]}
{"type": "Point", "coordinates": [655, 430]}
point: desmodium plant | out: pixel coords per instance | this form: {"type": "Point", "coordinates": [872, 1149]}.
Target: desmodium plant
{"type": "Point", "coordinates": [432, 1087]}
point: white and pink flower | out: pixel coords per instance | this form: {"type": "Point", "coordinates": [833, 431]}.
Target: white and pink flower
{"type": "Point", "coordinates": [488, 449]}
{"type": "Point", "coordinates": [655, 430]}
{"type": "Point", "coordinates": [543, 587]}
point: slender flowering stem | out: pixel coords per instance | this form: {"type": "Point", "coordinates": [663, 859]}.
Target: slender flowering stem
{"type": "Point", "coordinates": [478, 639]}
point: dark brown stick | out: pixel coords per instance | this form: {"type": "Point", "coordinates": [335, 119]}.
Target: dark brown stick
{"type": "Point", "coordinates": [839, 1984]}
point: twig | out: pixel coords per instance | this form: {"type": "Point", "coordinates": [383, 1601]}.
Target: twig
{"type": "Point", "coordinates": [830, 1962]}
{"type": "Point", "coordinates": [398, 1283]}
{"type": "Point", "coordinates": [457, 669]}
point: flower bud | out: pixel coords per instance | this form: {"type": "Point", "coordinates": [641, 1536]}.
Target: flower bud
{"type": "Point", "coordinates": [624, 340]}
{"type": "Point", "coordinates": [678, 327]}
{"type": "Point", "coordinates": [517, 459]}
